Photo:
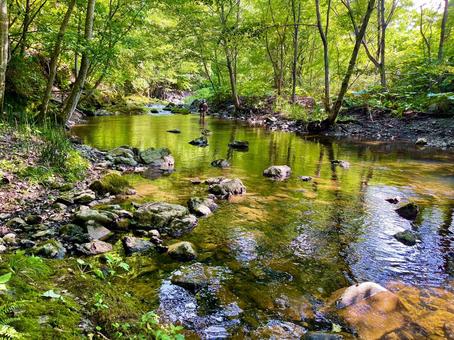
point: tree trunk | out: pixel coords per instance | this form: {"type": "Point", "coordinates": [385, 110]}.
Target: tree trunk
{"type": "Point", "coordinates": [383, 25]}
{"type": "Point", "coordinates": [296, 22]}
{"type": "Point", "coordinates": [338, 104]}
{"type": "Point", "coordinates": [323, 36]}
{"type": "Point", "coordinates": [54, 58]}
{"type": "Point", "coordinates": [443, 32]}
{"type": "Point", "coordinates": [236, 100]}
{"type": "Point", "coordinates": [3, 50]}
{"type": "Point", "coordinates": [74, 97]}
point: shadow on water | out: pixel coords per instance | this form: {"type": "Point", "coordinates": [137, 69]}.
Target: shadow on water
{"type": "Point", "coordinates": [294, 237]}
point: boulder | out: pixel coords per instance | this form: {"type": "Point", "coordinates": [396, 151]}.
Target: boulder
{"type": "Point", "coordinates": [406, 237]}
{"type": "Point", "coordinates": [368, 309]}
{"type": "Point", "coordinates": [182, 251]}
{"type": "Point", "coordinates": [74, 233]}
{"type": "Point", "coordinates": [150, 155]}
{"type": "Point", "coordinates": [276, 329]}
{"type": "Point", "coordinates": [239, 145]}
{"type": "Point", "coordinates": [51, 249]}
{"type": "Point", "coordinates": [220, 163]}
{"type": "Point", "coordinates": [227, 187]}
{"type": "Point", "coordinates": [201, 206]}
{"type": "Point", "coordinates": [112, 183]}
{"type": "Point", "coordinates": [123, 155]}
{"type": "Point", "coordinates": [172, 219]}
{"type": "Point", "coordinates": [278, 172]}
{"type": "Point", "coordinates": [201, 141]}
{"type": "Point", "coordinates": [136, 245]}
{"type": "Point", "coordinates": [95, 247]}
{"type": "Point", "coordinates": [9, 238]}
{"type": "Point", "coordinates": [409, 211]}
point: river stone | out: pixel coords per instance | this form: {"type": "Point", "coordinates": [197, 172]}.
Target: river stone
{"type": "Point", "coordinates": [172, 219]}
{"type": "Point", "coordinates": [112, 183]}
{"type": "Point", "coordinates": [84, 197]}
{"type": "Point", "coordinates": [421, 141]}
{"type": "Point", "coordinates": [393, 200]}
{"type": "Point", "coordinates": [202, 206]}
{"type": "Point", "coordinates": [409, 211]}
{"type": "Point", "coordinates": [278, 172]}
{"type": "Point", "coordinates": [305, 178]}
{"type": "Point", "coordinates": [123, 155]}
{"type": "Point", "coordinates": [16, 222]}
{"type": "Point", "coordinates": [174, 131]}
{"type": "Point", "coordinates": [166, 163]}
{"type": "Point", "coordinates": [51, 249]}
{"type": "Point", "coordinates": [98, 232]}
{"type": "Point", "coordinates": [183, 251]}
{"type": "Point", "coordinates": [276, 329]}
{"type": "Point", "coordinates": [239, 145]}
{"type": "Point", "coordinates": [214, 180]}
{"type": "Point", "coordinates": [9, 238]}
{"type": "Point", "coordinates": [407, 237]}
{"type": "Point", "coordinates": [201, 141]}
{"type": "Point", "coordinates": [85, 214]}
{"type": "Point", "coordinates": [150, 155]}
{"type": "Point", "coordinates": [198, 276]}
{"type": "Point", "coordinates": [369, 309]}
{"type": "Point", "coordinates": [33, 219]}
{"type": "Point", "coordinates": [227, 187]}
{"type": "Point", "coordinates": [220, 163]}
{"type": "Point", "coordinates": [136, 245]}
{"type": "Point", "coordinates": [74, 233]}
{"type": "Point", "coordinates": [95, 247]}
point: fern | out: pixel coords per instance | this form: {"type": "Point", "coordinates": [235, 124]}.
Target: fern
{"type": "Point", "coordinates": [6, 330]}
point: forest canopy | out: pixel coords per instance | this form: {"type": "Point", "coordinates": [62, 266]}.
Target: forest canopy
{"type": "Point", "coordinates": [65, 52]}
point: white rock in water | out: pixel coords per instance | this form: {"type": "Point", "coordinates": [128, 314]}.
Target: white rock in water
{"type": "Point", "coordinates": [354, 294]}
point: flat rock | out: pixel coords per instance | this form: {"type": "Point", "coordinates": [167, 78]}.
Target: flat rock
{"type": "Point", "coordinates": [136, 245]}
{"type": "Point", "coordinates": [98, 232]}
{"type": "Point", "coordinates": [84, 215]}
{"type": "Point", "coordinates": [95, 247]}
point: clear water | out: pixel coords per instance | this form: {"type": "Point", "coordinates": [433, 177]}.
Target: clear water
{"type": "Point", "coordinates": [293, 237]}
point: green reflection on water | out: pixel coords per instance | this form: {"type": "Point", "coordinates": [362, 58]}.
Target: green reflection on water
{"type": "Point", "coordinates": [289, 236]}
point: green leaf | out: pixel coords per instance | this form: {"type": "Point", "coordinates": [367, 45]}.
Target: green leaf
{"type": "Point", "coordinates": [5, 277]}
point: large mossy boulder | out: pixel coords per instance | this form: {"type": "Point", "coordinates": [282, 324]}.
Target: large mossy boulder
{"type": "Point", "coordinates": [112, 183]}
{"type": "Point", "coordinates": [123, 155]}
{"type": "Point", "coordinates": [150, 155]}
{"type": "Point", "coordinates": [171, 219]}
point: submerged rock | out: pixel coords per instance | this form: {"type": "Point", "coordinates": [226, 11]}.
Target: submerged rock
{"type": "Point", "coordinates": [95, 247]}
{"type": "Point", "coordinates": [220, 163]}
{"type": "Point", "coordinates": [136, 245]}
{"type": "Point", "coordinates": [239, 145]}
{"type": "Point", "coordinates": [369, 309]}
{"type": "Point", "coordinates": [198, 276]}
{"type": "Point", "coordinates": [174, 131]}
{"type": "Point", "coordinates": [227, 187]}
{"type": "Point", "coordinates": [276, 329]}
{"type": "Point", "coordinates": [172, 219]}
{"type": "Point", "coordinates": [407, 237]}
{"type": "Point", "coordinates": [201, 141]}
{"type": "Point", "coordinates": [202, 206]}
{"type": "Point", "coordinates": [305, 178]}
{"type": "Point", "coordinates": [182, 251]}
{"type": "Point", "coordinates": [278, 172]}
{"type": "Point", "coordinates": [409, 211]}
{"type": "Point", "coordinates": [393, 200]}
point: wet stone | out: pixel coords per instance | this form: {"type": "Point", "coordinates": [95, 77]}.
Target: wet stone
{"type": "Point", "coordinates": [182, 251]}
{"type": "Point", "coordinates": [341, 163]}
{"type": "Point", "coordinates": [220, 163]}
{"type": "Point", "coordinates": [227, 187]}
{"type": "Point", "coordinates": [136, 245]}
{"type": "Point", "coordinates": [239, 145]}
{"type": "Point", "coordinates": [201, 141]}
{"type": "Point", "coordinates": [409, 211]}
{"type": "Point", "coordinates": [407, 237]}
{"type": "Point", "coordinates": [276, 329]}
{"type": "Point", "coordinates": [95, 247]}
{"type": "Point", "coordinates": [202, 206]}
{"type": "Point", "coordinates": [98, 232]}
{"type": "Point", "coordinates": [278, 172]}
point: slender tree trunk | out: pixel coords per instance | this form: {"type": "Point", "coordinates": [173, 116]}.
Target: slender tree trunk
{"type": "Point", "coordinates": [236, 100]}
{"type": "Point", "coordinates": [296, 22]}
{"type": "Point", "coordinates": [383, 24]}
{"type": "Point", "coordinates": [55, 56]}
{"type": "Point", "coordinates": [26, 24]}
{"type": "Point", "coordinates": [76, 91]}
{"type": "Point", "coordinates": [426, 42]}
{"type": "Point", "coordinates": [324, 36]}
{"type": "Point", "coordinates": [3, 50]}
{"type": "Point", "coordinates": [443, 32]}
{"type": "Point", "coordinates": [359, 37]}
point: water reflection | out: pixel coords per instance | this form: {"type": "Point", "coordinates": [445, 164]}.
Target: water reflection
{"type": "Point", "coordinates": [322, 234]}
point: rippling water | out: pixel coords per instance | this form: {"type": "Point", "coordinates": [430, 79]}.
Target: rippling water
{"type": "Point", "coordinates": [294, 237]}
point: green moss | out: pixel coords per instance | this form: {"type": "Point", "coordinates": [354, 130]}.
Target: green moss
{"type": "Point", "coordinates": [111, 183]}
{"type": "Point", "coordinates": [180, 110]}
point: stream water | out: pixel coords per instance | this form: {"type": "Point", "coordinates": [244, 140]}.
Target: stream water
{"type": "Point", "coordinates": [293, 238]}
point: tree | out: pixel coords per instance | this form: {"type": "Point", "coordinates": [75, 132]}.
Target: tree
{"type": "Point", "coordinates": [296, 14]}
{"type": "Point", "coordinates": [55, 56]}
{"type": "Point", "coordinates": [443, 32]}
{"type": "Point", "coordinates": [3, 50]}
{"type": "Point", "coordinates": [74, 97]}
